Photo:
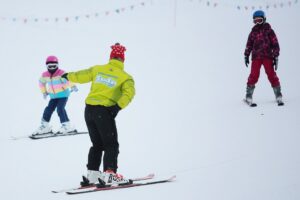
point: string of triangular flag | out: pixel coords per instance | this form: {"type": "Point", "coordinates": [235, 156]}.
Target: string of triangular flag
{"type": "Point", "coordinates": [93, 15]}
{"type": "Point", "coordinates": [248, 6]}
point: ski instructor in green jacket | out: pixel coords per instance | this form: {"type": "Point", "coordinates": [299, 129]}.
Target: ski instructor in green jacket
{"type": "Point", "coordinates": [112, 89]}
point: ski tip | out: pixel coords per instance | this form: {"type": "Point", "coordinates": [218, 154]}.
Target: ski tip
{"type": "Point", "coordinates": [151, 175]}
{"type": "Point", "coordinates": [34, 138]}
{"type": "Point", "coordinates": [172, 178]}
{"type": "Point", "coordinates": [18, 138]}
{"type": "Point", "coordinates": [12, 138]}
{"type": "Point", "coordinates": [249, 103]}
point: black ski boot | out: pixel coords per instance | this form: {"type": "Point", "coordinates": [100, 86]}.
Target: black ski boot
{"type": "Point", "coordinates": [278, 95]}
{"type": "Point", "coordinates": [249, 94]}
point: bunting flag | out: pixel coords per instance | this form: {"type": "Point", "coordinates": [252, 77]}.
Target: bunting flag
{"type": "Point", "coordinates": [239, 5]}
{"type": "Point", "coordinates": [94, 15]}
{"type": "Point", "coordinates": [249, 5]}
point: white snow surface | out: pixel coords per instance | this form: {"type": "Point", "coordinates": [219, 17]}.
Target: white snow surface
{"type": "Point", "coordinates": [187, 117]}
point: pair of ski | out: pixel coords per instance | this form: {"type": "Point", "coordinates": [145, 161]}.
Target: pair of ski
{"type": "Point", "coordinates": [48, 135]}
{"type": "Point", "coordinates": [141, 181]}
{"type": "Point", "coordinates": [252, 104]}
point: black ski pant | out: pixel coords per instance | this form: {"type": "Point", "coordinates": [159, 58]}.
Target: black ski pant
{"type": "Point", "coordinates": [103, 133]}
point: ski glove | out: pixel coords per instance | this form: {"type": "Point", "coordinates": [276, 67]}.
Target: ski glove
{"type": "Point", "coordinates": [246, 60]}
{"type": "Point", "coordinates": [114, 110]}
{"type": "Point", "coordinates": [45, 95]}
{"type": "Point", "coordinates": [275, 63]}
{"type": "Point", "coordinates": [74, 88]}
{"type": "Point", "coordinates": [65, 76]}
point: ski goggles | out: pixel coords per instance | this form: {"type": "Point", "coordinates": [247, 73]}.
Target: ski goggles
{"type": "Point", "coordinates": [258, 20]}
{"type": "Point", "coordinates": [52, 65]}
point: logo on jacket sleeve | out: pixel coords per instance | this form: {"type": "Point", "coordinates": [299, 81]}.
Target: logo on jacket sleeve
{"type": "Point", "coordinates": [106, 79]}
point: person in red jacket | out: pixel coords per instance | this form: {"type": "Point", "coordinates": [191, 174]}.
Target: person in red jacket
{"type": "Point", "coordinates": [263, 44]}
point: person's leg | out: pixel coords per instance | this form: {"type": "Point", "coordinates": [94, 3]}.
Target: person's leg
{"type": "Point", "coordinates": [272, 76]}
{"type": "Point", "coordinates": [95, 152]}
{"type": "Point", "coordinates": [61, 111]}
{"type": "Point", "coordinates": [112, 152]}
{"type": "Point", "coordinates": [49, 110]}
{"type": "Point", "coordinates": [255, 72]}
{"type": "Point", "coordinates": [253, 78]}
{"type": "Point", "coordinates": [106, 125]}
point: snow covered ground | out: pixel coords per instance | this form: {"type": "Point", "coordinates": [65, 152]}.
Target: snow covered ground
{"type": "Point", "coordinates": [187, 118]}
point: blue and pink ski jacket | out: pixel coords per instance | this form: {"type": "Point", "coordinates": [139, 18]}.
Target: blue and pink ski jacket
{"type": "Point", "coordinates": [55, 85]}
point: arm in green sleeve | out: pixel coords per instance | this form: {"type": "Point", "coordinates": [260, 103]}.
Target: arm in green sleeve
{"type": "Point", "coordinates": [128, 92]}
{"type": "Point", "coordinates": [82, 76]}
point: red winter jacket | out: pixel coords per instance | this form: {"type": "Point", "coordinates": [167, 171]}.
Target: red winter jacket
{"type": "Point", "coordinates": [262, 42]}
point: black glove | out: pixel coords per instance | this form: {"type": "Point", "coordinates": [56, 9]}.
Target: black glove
{"type": "Point", "coordinates": [275, 63]}
{"type": "Point", "coordinates": [114, 110]}
{"type": "Point", "coordinates": [65, 75]}
{"type": "Point", "coordinates": [246, 60]}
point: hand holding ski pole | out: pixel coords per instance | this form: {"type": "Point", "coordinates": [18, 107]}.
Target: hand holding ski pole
{"type": "Point", "coordinates": [74, 88]}
{"type": "Point", "coordinates": [246, 60]}
{"type": "Point", "coordinates": [275, 63]}
{"type": "Point", "coordinates": [45, 95]}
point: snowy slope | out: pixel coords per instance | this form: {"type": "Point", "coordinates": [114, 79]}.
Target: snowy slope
{"type": "Point", "coordinates": [187, 118]}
